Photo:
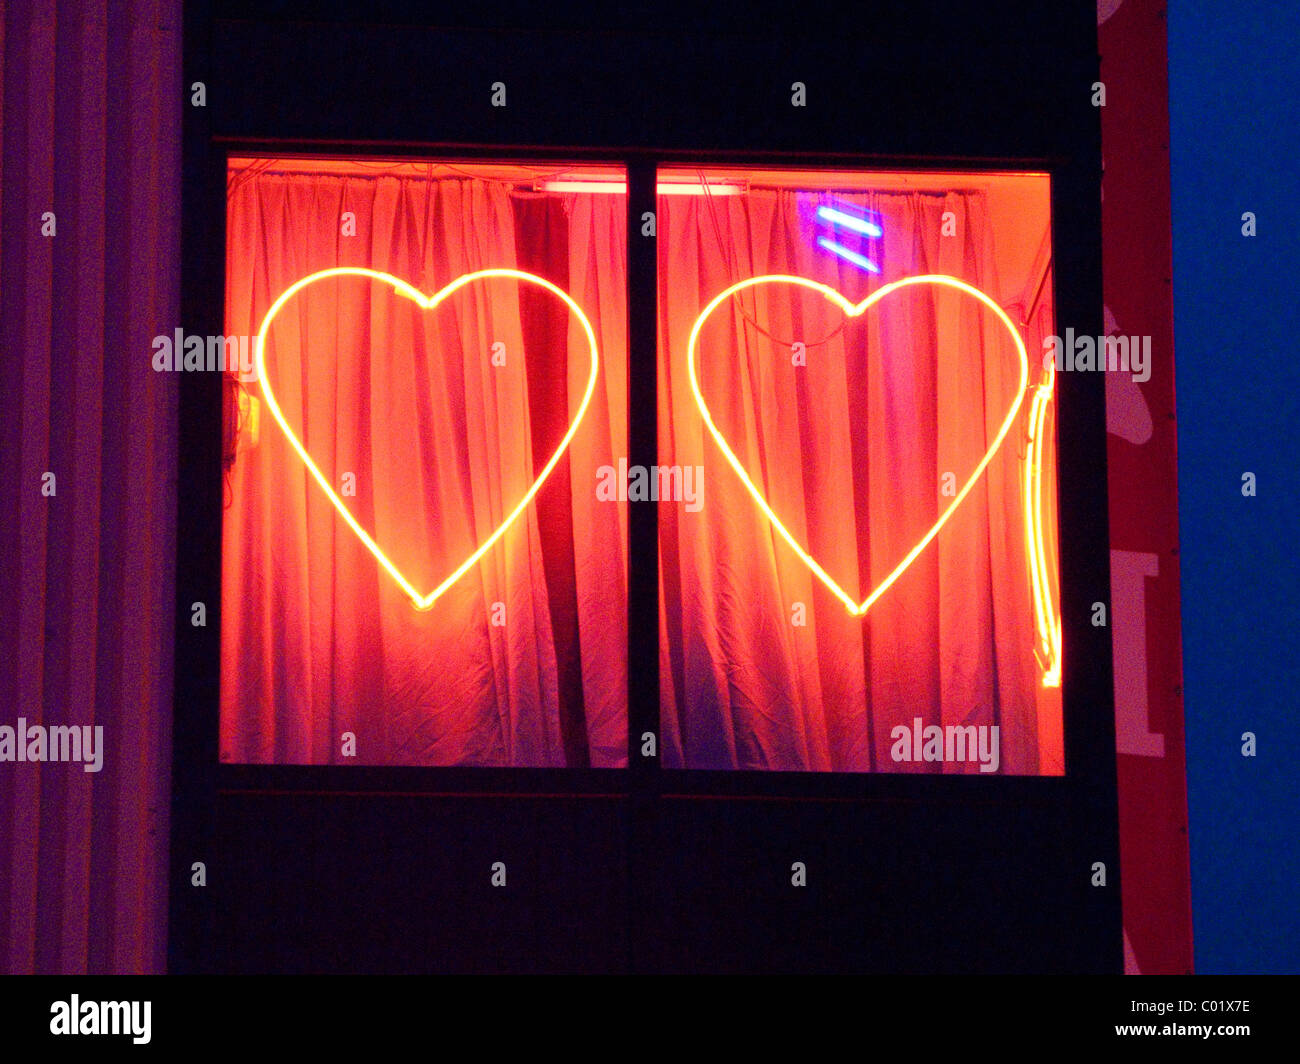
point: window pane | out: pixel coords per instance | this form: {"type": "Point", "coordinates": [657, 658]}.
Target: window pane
{"type": "Point", "coordinates": [416, 567]}
{"type": "Point", "coordinates": [859, 572]}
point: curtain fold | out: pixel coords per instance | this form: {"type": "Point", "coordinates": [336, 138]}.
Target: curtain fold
{"type": "Point", "coordinates": [598, 270]}
{"type": "Point", "coordinates": [441, 418]}
{"type": "Point", "coordinates": [89, 274]}
{"type": "Point", "coordinates": [761, 666]}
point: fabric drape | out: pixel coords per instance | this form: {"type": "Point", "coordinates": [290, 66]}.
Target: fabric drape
{"type": "Point", "coordinates": [761, 667]}
{"type": "Point", "coordinates": [442, 418]}
{"type": "Point", "coordinates": [89, 275]}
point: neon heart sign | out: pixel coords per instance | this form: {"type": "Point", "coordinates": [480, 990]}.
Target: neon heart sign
{"type": "Point", "coordinates": [422, 601]}
{"type": "Point", "coordinates": [854, 310]}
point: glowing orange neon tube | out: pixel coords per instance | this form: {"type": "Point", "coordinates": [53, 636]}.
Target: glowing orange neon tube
{"type": "Point", "coordinates": [422, 601]}
{"type": "Point", "coordinates": [853, 310]}
{"type": "Point", "coordinates": [1048, 648]}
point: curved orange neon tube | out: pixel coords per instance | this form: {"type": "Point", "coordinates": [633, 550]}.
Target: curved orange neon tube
{"type": "Point", "coordinates": [1048, 650]}
{"type": "Point", "coordinates": [853, 310]}
{"type": "Point", "coordinates": [422, 601]}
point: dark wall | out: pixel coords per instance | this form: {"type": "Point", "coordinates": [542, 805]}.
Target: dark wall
{"type": "Point", "coordinates": [373, 870]}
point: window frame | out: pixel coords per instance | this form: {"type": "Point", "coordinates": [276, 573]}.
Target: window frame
{"type": "Point", "coordinates": [198, 679]}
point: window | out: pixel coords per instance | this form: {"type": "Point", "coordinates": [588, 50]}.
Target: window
{"type": "Point", "coordinates": [861, 573]}
{"type": "Point", "coordinates": [425, 534]}
{"type": "Point", "coordinates": [415, 569]}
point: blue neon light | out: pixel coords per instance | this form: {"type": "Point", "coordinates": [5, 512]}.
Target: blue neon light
{"type": "Point", "coordinates": [860, 261]}
{"type": "Point", "coordinates": [849, 221]}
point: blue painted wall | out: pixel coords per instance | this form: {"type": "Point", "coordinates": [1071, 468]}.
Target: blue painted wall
{"type": "Point", "coordinates": [1234, 73]}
